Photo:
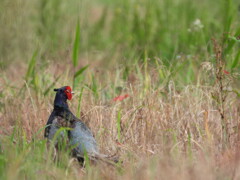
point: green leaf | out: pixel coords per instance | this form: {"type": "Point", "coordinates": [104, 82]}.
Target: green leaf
{"type": "Point", "coordinates": [76, 45]}
{"type": "Point", "coordinates": [234, 38]}
{"type": "Point", "coordinates": [51, 86]}
{"type": "Point", "coordinates": [237, 93]}
{"type": "Point", "coordinates": [79, 103]}
{"type": "Point", "coordinates": [119, 116]}
{"type": "Point", "coordinates": [31, 65]}
{"type": "Point", "coordinates": [80, 71]}
{"type": "Point", "coordinates": [236, 60]}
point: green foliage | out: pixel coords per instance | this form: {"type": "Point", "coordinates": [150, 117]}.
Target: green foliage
{"type": "Point", "coordinates": [51, 86]}
{"type": "Point", "coordinates": [78, 76]}
{"type": "Point", "coordinates": [119, 116]}
{"type": "Point", "coordinates": [80, 71]}
{"type": "Point", "coordinates": [76, 46]}
{"type": "Point", "coordinates": [35, 79]}
{"type": "Point", "coordinates": [79, 103]}
{"type": "Point", "coordinates": [164, 28]}
{"type": "Point", "coordinates": [94, 87]}
{"type": "Point", "coordinates": [28, 158]}
{"type": "Point", "coordinates": [235, 62]}
{"type": "Point", "coordinates": [31, 67]}
{"type": "Point", "coordinates": [49, 27]}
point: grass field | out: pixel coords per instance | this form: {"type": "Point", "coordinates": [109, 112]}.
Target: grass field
{"type": "Point", "coordinates": [156, 81]}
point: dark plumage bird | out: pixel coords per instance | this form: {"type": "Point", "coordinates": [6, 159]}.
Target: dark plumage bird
{"type": "Point", "coordinates": [79, 134]}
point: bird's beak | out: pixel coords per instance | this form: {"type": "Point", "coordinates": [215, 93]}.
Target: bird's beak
{"type": "Point", "coordinates": [72, 92]}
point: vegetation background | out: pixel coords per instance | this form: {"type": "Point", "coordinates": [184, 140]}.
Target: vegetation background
{"type": "Point", "coordinates": [156, 81]}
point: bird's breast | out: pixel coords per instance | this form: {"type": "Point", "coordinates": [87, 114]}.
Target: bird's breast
{"type": "Point", "coordinates": [61, 122]}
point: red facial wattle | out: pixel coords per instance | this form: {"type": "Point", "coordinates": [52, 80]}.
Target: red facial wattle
{"type": "Point", "coordinates": [68, 92]}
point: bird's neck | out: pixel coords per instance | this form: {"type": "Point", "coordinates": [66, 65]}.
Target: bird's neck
{"type": "Point", "coordinates": [61, 108]}
{"type": "Point", "coordinates": [60, 103]}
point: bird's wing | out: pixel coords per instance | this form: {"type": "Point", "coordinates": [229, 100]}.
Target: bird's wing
{"type": "Point", "coordinates": [49, 124]}
{"type": "Point", "coordinates": [80, 136]}
{"type": "Point", "coordinates": [82, 139]}
{"type": "Point", "coordinates": [53, 125]}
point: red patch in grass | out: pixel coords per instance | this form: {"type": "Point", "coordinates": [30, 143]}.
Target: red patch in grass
{"type": "Point", "coordinates": [120, 98]}
{"type": "Point", "coordinates": [118, 143]}
{"type": "Point", "coordinates": [226, 72]}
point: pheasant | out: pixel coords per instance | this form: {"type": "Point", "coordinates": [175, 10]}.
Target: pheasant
{"type": "Point", "coordinates": [79, 135]}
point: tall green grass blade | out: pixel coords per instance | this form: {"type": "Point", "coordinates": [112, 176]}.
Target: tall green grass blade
{"type": "Point", "coordinates": [31, 66]}
{"type": "Point", "coordinates": [146, 76]}
{"type": "Point", "coordinates": [76, 45]}
{"type": "Point", "coordinates": [189, 137]}
{"type": "Point", "coordinates": [58, 133]}
{"type": "Point", "coordinates": [79, 103]}
{"type": "Point", "coordinates": [86, 159]}
{"type": "Point", "coordinates": [51, 86]}
{"type": "Point", "coordinates": [228, 16]}
{"type": "Point", "coordinates": [80, 71]}
{"type": "Point", "coordinates": [60, 139]}
{"type": "Point", "coordinates": [94, 87]}
{"type": "Point", "coordinates": [12, 136]}
{"type": "Point", "coordinates": [36, 83]}
{"type": "Point", "coordinates": [236, 92]}
{"type": "Point", "coordinates": [236, 60]}
{"type": "Point", "coordinates": [39, 131]}
{"type": "Point", "coordinates": [119, 116]}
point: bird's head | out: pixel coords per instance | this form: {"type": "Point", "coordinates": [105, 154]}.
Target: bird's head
{"type": "Point", "coordinates": [63, 94]}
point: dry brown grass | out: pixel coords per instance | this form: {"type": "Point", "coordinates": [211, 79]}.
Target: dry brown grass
{"type": "Point", "coordinates": [166, 133]}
